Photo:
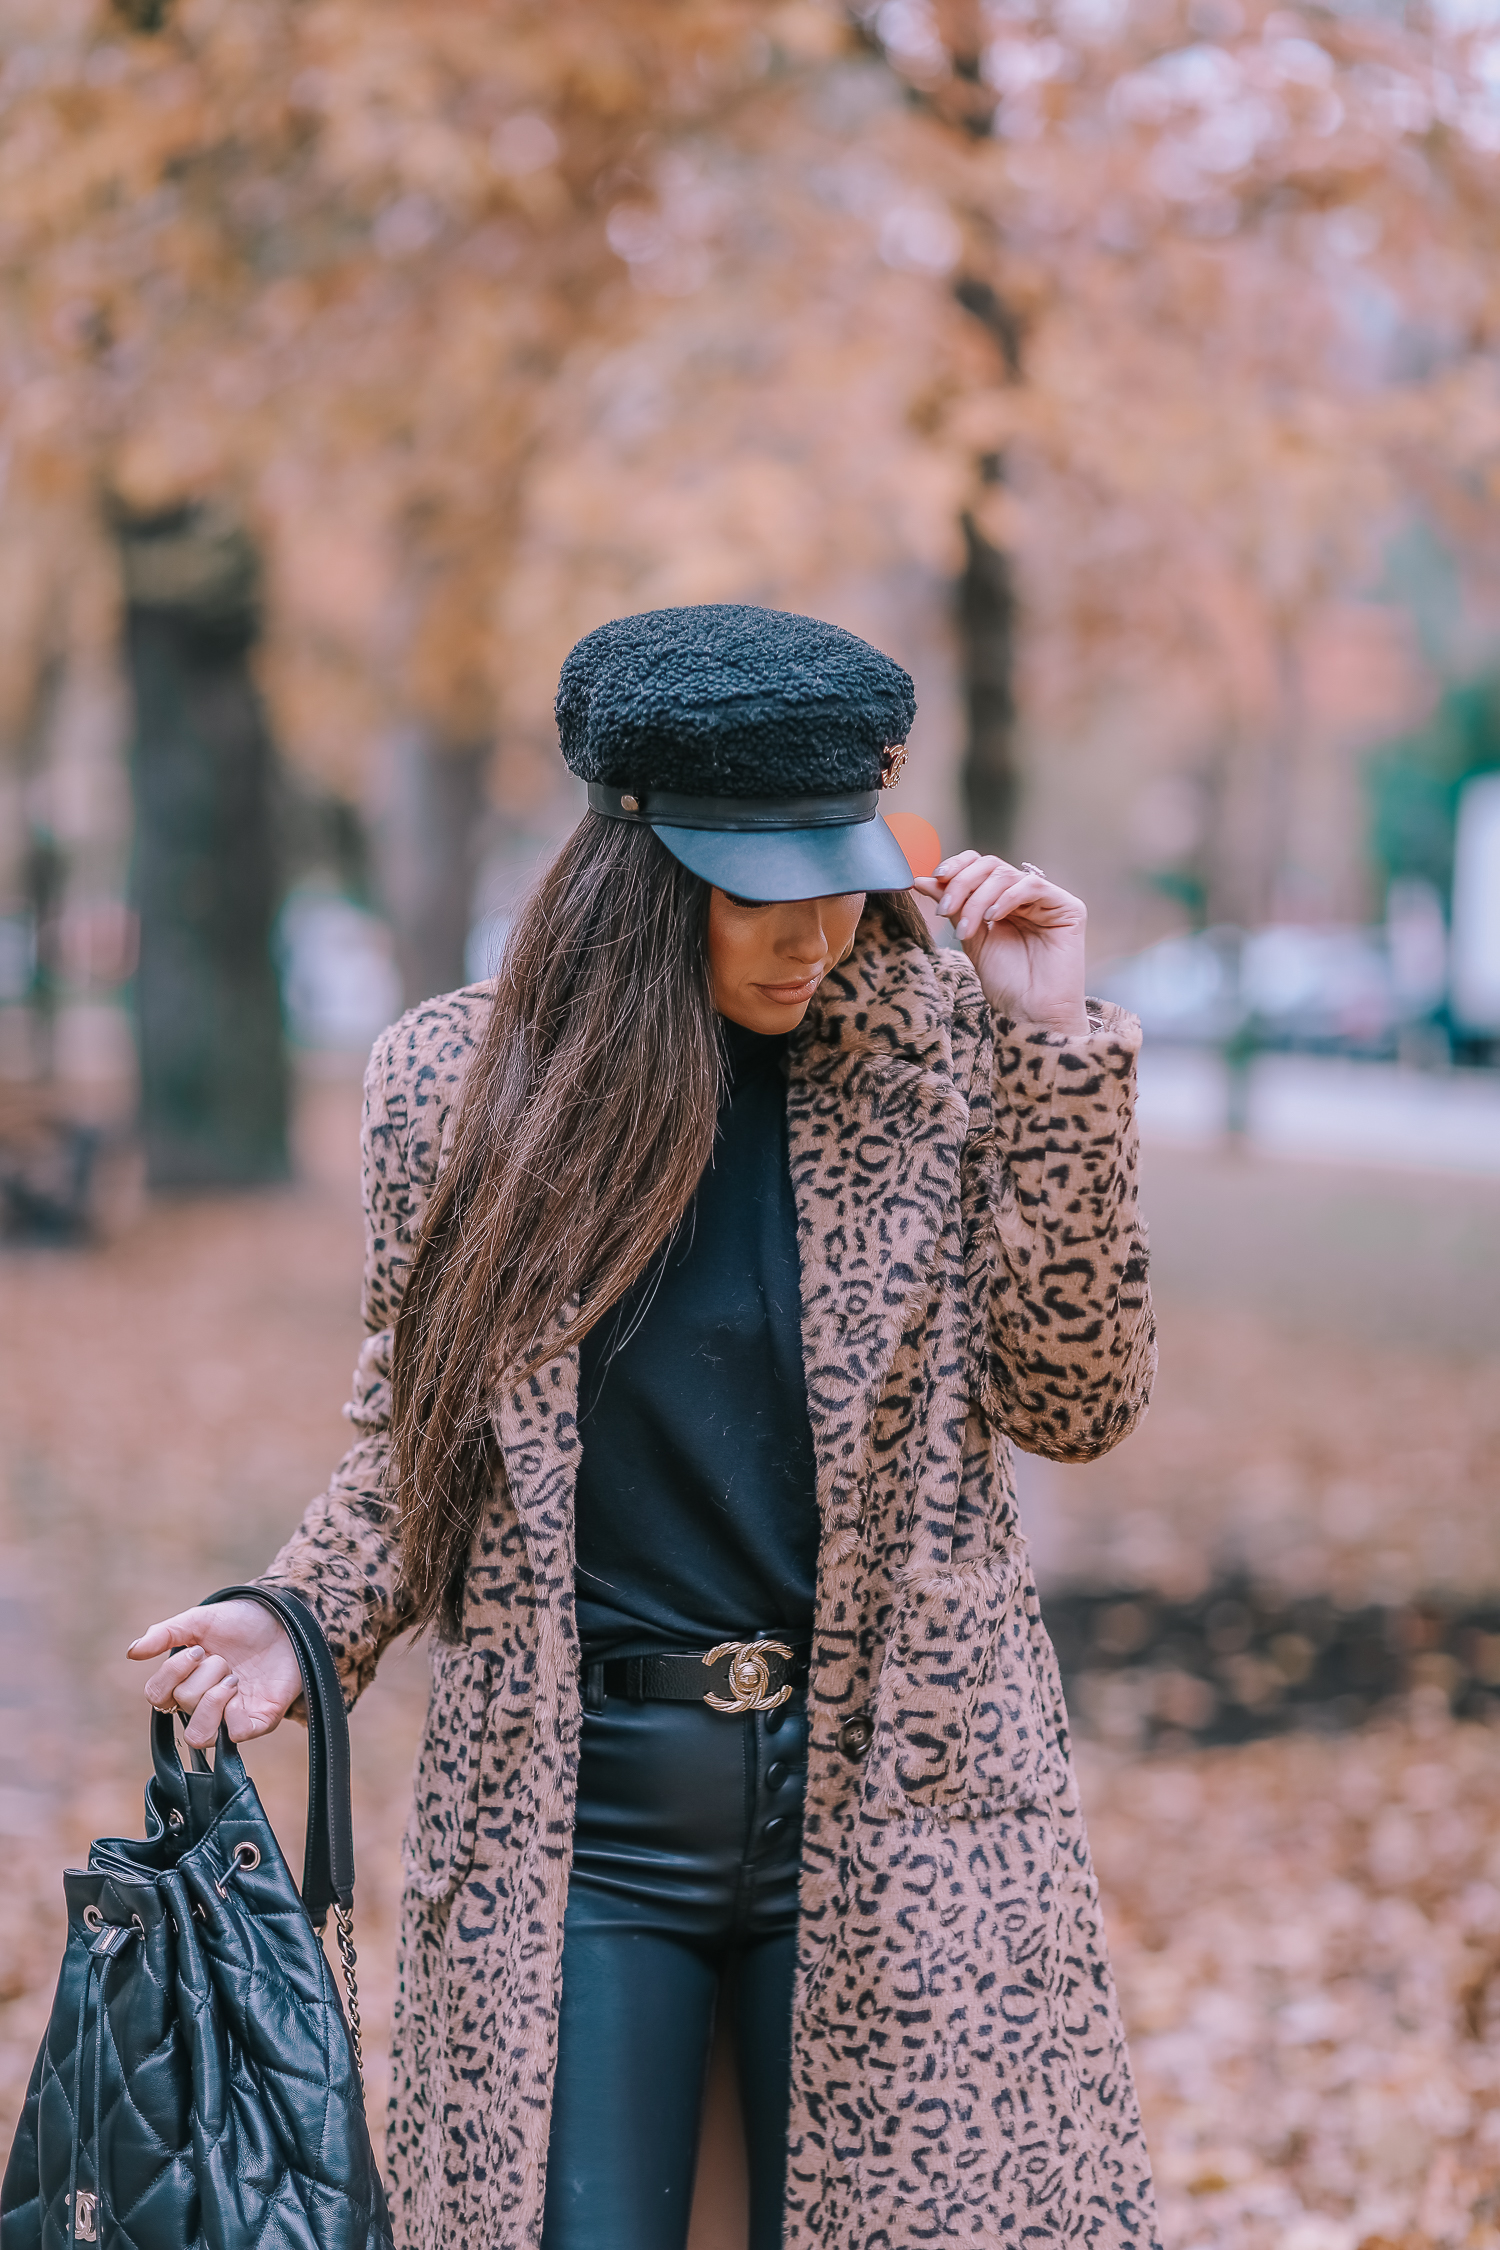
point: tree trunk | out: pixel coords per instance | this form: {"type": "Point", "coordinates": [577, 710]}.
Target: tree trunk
{"type": "Point", "coordinates": [986, 616]}
{"type": "Point", "coordinates": [213, 1068]}
{"type": "Point", "coordinates": [428, 831]}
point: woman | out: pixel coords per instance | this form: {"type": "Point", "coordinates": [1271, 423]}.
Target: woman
{"type": "Point", "coordinates": [716, 1253]}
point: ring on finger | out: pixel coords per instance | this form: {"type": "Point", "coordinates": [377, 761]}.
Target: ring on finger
{"type": "Point", "coordinates": [1029, 867]}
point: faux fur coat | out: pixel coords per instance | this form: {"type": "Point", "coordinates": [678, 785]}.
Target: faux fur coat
{"type": "Point", "coordinates": [973, 1273]}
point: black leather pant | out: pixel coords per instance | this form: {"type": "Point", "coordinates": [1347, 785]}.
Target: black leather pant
{"type": "Point", "coordinates": [684, 1868]}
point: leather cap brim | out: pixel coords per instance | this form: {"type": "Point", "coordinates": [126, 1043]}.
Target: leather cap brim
{"type": "Point", "coordinates": [786, 863]}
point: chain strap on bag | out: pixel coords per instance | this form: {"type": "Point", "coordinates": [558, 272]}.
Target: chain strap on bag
{"type": "Point", "coordinates": [199, 2083]}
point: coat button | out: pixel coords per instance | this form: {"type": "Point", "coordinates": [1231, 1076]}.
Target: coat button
{"type": "Point", "coordinates": [856, 1735]}
{"type": "Point", "coordinates": [775, 1775]}
{"type": "Point", "coordinates": [774, 1828]}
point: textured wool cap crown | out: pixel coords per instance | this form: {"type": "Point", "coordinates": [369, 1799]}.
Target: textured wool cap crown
{"type": "Point", "coordinates": [753, 741]}
{"type": "Point", "coordinates": [727, 700]}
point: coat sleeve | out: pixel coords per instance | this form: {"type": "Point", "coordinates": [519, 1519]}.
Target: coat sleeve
{"type": "Point", "coordinates": [1057, 1243]}
{"type": "Point", "coordinates": [342, 1558]}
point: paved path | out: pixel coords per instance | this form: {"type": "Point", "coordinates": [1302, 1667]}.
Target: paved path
{"type": "Point", "coordinates": [1328, 1108]}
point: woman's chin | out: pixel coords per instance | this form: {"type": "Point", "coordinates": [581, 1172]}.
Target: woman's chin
{"type": "Point", "coordinates": [758, 1012]}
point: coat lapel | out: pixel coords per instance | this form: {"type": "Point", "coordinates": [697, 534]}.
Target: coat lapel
{"type": "Point", "coordinates": [876, 1127]}
{"type": "Point", "coordinates": [875, 1123]}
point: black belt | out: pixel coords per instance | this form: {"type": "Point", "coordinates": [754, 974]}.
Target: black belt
{"type": "Point", "coordinates": [736, 1676]}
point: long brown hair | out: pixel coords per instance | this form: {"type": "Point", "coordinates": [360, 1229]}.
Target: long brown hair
{"type": "Point", "coordinates": [582, 1130]}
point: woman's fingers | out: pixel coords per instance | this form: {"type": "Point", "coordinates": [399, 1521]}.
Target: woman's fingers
{"type": "Point", "coordinates": [972, 889]}
{"type": "Point", "coordinates": [189, 1626]}
{"type": "Point", "coordinates": [961, 876]}
{"type": "Point", "coordinates": [184, 1679]}
{"type": "Point", "coordinates": [203, 1727]}
{"type": "Point", "coordinates": [971, 881]}
{"type": "Point", "coordinates": [161, 1688]}
{"type": "Point", "coordinates": [205, 1648]}
{"type": "Point", "coordinates": [954, 883]}
{"type": "Point", "coordinates": [996, 896]}
{"type": "Point", "coordinates": [201, 1681]}
{"type": "Point", "coordinates": [152, 1642]}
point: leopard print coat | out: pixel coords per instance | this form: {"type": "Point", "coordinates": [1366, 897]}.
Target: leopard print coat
{"type": "Point", "coordinates": [973, 1273]}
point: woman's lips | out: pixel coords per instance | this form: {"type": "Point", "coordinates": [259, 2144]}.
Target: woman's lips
{"type": "Point", "coordinates": [784, 995]}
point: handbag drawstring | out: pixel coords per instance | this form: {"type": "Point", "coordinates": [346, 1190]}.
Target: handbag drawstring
{"type": "Point", "coordinates": [107, 1941]}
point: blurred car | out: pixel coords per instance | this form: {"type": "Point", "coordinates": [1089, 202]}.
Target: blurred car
{"type": "Point", "coordinates": [1184, 988]}
{"type": "Point", "coordinates": [1330, 990]}
{"type": "Point", "coordinates": [1476, 908]}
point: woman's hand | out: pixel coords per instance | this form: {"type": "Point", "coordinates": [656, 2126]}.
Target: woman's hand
{"type": "Point", "coordinates": [1023, 934]}
{"type": "Point", "coordinates": [234, 1662]}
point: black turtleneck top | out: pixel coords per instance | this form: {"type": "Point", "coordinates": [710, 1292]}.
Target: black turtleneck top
{"type": "Point", "coordinates": [696, 1507]}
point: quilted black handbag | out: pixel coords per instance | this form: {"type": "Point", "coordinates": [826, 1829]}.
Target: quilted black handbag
{"type": "Point", "coordinates": [199, 2086]}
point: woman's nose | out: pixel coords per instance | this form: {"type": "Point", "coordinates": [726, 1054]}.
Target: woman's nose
{"type": "Point", "coordinates": [805, 939]}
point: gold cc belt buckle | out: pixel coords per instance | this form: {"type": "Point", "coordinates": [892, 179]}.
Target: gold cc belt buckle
{"type": "Point", "coordinates": [749, 1676]}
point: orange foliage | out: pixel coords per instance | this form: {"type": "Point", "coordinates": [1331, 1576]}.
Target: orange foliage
{"type": "Point", "coordinates": [494, 316]}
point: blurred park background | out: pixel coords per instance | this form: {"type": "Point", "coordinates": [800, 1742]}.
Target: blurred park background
{"type": "Point", "coordinates": [1129, 369]}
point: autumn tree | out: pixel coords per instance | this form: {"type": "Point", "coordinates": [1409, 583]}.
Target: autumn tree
{"type": "Point", "coordinates": [316, 264]}
{"type": "Point", "coordinates": [1238, 267]}
{"type": "Point", "coordinates": [1135, 332]}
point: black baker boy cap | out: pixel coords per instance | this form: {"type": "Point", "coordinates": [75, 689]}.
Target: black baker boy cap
{"type": "Point", "coordinates": [753, 741]}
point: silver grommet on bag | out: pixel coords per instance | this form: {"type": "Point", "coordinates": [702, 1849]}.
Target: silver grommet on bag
{"type": "Point", "coordinates": [92, 1918]}
{"type": "Point", "coordinates": [246, 1856]}
{"type": "Point", "coordinates": [174, 1819]}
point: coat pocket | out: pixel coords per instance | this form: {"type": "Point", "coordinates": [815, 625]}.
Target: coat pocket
{"type": "Point", "coordinates": [961, 1718]}
{"type": "Point", "coordinates": [437, 1849]}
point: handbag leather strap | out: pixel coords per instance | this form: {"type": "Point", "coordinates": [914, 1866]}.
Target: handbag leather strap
{"type": "Point", "coordinates": [328, 1863]}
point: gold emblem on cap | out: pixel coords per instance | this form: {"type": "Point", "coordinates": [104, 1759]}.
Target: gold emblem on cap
{"type": "Point", "coordinates": [630, 804]}
{"type": "Point", "coordinates": [893, 758]}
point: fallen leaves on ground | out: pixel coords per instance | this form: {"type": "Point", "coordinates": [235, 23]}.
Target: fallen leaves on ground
{"type": "Point", "coordinates": [1306, 1931]}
